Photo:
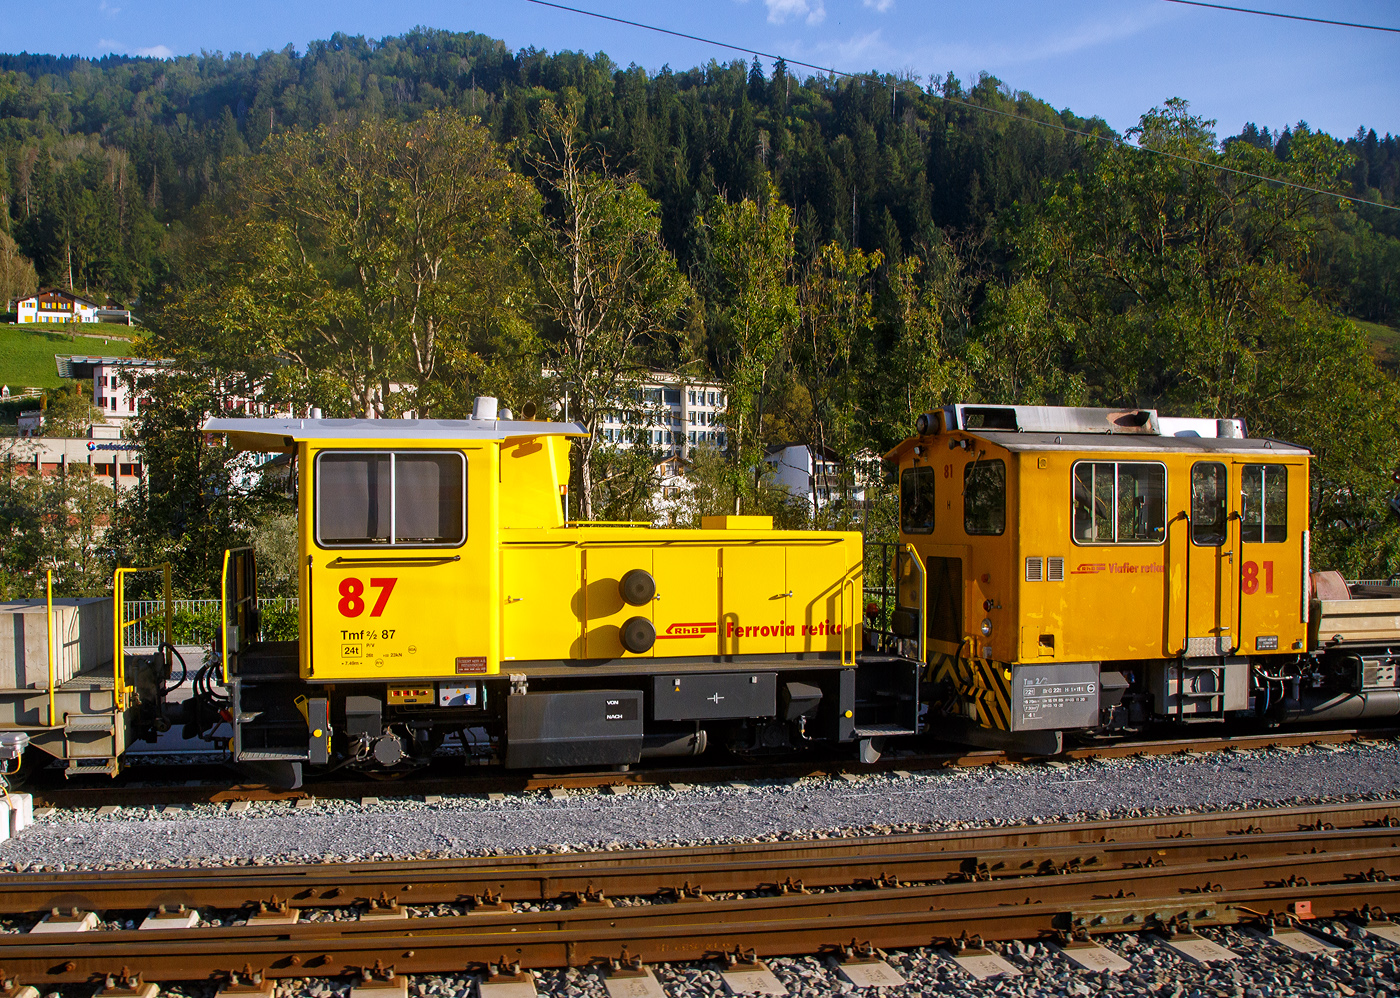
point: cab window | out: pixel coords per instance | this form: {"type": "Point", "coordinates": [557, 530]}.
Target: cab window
{"type": "Point", "coordinates": [984, 497]}
{"type": "Point", "coordinates": [1119, 502]}
{"type": "Point", "coordinates": [1264, 503]}
{"type": "Point", "coordinates": [391, 498]}
{"type": "Point", "coordinates": [1209, 499]}
{"type": "Point", "coordinates": [916, 500]}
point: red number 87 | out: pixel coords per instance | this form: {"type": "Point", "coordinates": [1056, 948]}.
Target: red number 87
{"type": "Point", "coordinates": [351, 591]}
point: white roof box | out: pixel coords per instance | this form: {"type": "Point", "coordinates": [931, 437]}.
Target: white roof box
{"type": "Point", "coordinates": [1209, 429]}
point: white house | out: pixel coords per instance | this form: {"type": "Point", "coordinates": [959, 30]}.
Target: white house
{"type": "Point", "coordinates": [57, 305]}
{"type": "Point", "coordinates": [54, 305]}
{"type": "Point", "coordinates": [674, 488]}
{"type": "Point", "coordinates": [819, 479]}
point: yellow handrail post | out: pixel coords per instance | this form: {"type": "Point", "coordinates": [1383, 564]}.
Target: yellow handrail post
{"type": "Point", "coordinates": [923, 599]}
{"type": "Point", "coordinates": [223, 612]}
{"type": "Point", "coordinates": [118, 641]}
{"type": "Point", "coordinates": [53, 661]}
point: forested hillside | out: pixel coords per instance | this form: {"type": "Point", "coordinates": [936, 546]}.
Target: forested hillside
{"type": "Point", "coordinates": [102, 156]}
{"type": "Point", "coordinates": [844, 252]}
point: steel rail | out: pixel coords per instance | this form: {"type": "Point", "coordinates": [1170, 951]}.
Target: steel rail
{"type": "Point", "coordinates": [1203, 879]}
{"type": "Point", "coordinates": [997, 853]}
{"type": "Point", "coordinates": [679, 932]}
{"type": "Point", "coordinates": [496, 780]}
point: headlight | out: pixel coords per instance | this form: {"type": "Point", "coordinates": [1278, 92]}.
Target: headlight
{"type": "Point", "coordinates": [986, 627]}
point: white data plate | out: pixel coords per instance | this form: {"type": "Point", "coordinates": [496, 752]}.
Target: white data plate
{"type": "Point", "coordinates": [871, 974]}
{"type": "Point", "coordinates": [984, 966]}
{"type": "Point", "coordinates": [1199, 950]}
{"type": "Point", "coordinates": [643, 985]}
{"type": "Point", "coordinates": [752, 982]}
{"type": "Point", "coordinates": [1092, 956]}
{"type": "Point", "coordinates": [1298, 942]}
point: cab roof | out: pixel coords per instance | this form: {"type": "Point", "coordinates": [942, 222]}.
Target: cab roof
{"type": "Point", "coordinates": [267, 435]}
{"type": "Point", "coordinates": [1080, 429]}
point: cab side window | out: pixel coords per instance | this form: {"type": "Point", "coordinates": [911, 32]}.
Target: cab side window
{"type": "Point", "coordinates": [1209, 501]}
{"type": "Point", "coordinates": [393, 498]}
{"type": "Point", "coordinates": [984, 497]}
{"type": "Point", "coordinates": [916, 500]}
{"type": "Point", "coordinates": [1264, 503]}
{"type": "Point", "coordinates": [1119, 502]}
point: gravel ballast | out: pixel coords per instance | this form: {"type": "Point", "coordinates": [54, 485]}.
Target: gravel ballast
{"type": "Point", "coordinates": [394, 828]}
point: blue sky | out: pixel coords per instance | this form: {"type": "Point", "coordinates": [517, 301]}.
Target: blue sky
{"type": "Point", "coordinates": [1114, 58]}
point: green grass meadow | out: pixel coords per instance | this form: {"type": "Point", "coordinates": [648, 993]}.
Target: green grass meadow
{"type": "Point", "coordinates": [27, 351]}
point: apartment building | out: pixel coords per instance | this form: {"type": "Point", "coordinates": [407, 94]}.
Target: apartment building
{"type": "Point", "coordinates": [671, 413]}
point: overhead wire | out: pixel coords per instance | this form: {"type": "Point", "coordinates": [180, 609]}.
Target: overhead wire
{"type": "Point", "coordinates": [1055, 125]}
{"type": "Point", "coordinates": [1289, 17]}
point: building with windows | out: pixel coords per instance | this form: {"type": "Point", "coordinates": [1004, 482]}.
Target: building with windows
{"type": "Point", "coordinates": [111, 461]}
{"type": "Point", "coordinates": [111, 381]}
{"type": "Point", "coordinates": [818, 476]}
{"type": "Point", "coordinates": [671, 413]}
{"type": "Point", "coordinates": [57, 305]}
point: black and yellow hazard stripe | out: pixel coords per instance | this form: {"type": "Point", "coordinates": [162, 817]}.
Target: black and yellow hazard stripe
{"type": "Point", "coordinates": [983, 688]}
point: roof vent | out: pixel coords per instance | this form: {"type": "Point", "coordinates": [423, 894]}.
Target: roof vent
{"type": "Point", "coordinates": [484, 407]}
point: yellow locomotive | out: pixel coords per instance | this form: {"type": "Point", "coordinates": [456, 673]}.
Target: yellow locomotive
{"type": "Point", "coordinates": [1058, 570]}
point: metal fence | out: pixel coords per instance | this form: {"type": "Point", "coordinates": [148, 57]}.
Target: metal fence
{"type": "Point", "coordinates": [196, 621]}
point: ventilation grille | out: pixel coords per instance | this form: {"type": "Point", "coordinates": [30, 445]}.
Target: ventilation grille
{"type": "Point", "coordinates": [1056, 570]}
{"type": "Point", "coordinates": [1035, 568]}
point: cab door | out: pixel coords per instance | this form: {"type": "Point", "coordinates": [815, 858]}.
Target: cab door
{"type": "Point", "coordinates": [1273, 510]}
{"type": "Point", "coordinates": [1211, 571]}
{"type": "Point", "coordinates": [397, 569]}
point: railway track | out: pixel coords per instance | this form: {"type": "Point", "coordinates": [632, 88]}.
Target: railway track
{"type": "Point", "coordinates": [148, 785]}
{"type": "Point", "coordinates": [1056, 881]}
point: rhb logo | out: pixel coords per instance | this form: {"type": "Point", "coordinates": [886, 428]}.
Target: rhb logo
{"type": "Point", "coordinates": [682, 631]}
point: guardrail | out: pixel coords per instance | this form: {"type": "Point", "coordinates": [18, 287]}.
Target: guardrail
{"type": "Point", "coordinates": [196, 621]}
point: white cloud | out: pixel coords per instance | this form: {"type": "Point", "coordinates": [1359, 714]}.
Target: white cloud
{"type": "Point", "coordinates": [156, 52]}
{"type": "Point", "coordinates": [879, 6]}
{"type": "Point", "coordinates": [112, 10]}
{"type": "Point", "coordinates": [814, 11]}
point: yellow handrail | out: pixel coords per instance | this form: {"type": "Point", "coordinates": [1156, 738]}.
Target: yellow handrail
{"type": "Point", "coordinates": [848, 625]}
{"type": "Point", "coordinates": [923, 599]}
{"type": "Point", "coordinates": [52, 656]}
{"type": "Point", "coordinates": [223, 606]}
{"type": "Point", "coordinates": [120, 624]}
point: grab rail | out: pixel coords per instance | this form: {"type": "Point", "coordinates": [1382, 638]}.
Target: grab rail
{"type": "Point", "coordinates": [923, 599]}
{"type": "Point", "coordinates": [53, 659]}
{"type": "Point", "coordinates": [120, 624]}
{"type": "Point", "coordinates": [224, 625]}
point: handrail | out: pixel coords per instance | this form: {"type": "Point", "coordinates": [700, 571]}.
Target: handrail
{"type": "Point", "coordinates": [120, 624]}
{"type": "Point", "coordinates": [848, 628]}
{"type": "Point", "coordinates": [923, 600]}
{"type": "Point", "coordinates": [53, 661]}
{"type": "Point", "coordinates": [223, 605]}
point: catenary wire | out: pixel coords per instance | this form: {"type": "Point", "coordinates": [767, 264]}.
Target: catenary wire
{"type": "Point", "coordinates": [1289, 17]}
{"type": "Point", "coordinates": [1113, 140]}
